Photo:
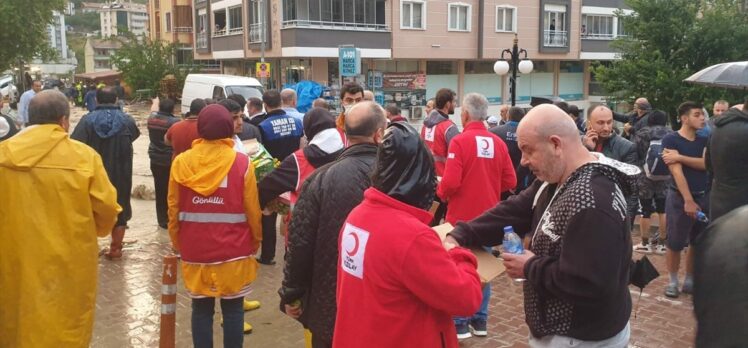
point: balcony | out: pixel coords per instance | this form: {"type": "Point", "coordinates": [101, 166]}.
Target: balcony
{"type": "Point", "coordinates": [202, 40]}
{"type": "Point", "coordinates": [183, 29]}
{"type": "Point", "coordinates": [255, 33]}
{"type": "Point", "coordinates": [555, 38]}
{"type": "Point", "coordinates": [334, 25]}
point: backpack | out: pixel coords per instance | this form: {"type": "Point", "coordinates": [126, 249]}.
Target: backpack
{"type": "Point", "coordinates": [654, 166]}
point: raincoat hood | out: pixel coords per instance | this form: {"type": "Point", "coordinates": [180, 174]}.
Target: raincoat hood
{"type": "Point", "coordinates": [203, 168]}
{"type": "Point", "coordinates": [107, 120]}
{"type": "Point", "coordinates": [405, 168]}
{"type": "Point", "coordinates": [434, 118]}
{"type": "Point", "coordinates": [23, 153]}
{"type": "Point", "coordinates": [731, 115]}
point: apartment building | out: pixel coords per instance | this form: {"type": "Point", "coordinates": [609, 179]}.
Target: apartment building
{"type": "Point", "coordinates": [116, 17]}
{"type": "Point", "coordinates": [411, 48]}
{"type": "Point", "coordinates": [65, 62]}
{"type": "Point", "coordinates": [98, 54]}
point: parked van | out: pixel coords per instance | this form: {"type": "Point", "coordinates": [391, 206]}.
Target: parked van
{"type": "Point", "coordinates": [218, 87]}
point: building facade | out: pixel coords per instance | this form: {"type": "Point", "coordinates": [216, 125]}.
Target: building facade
{"type": "Point", "coordinates": [57, 37]}
{"type": "Point", "coordinates": [98, 53]}
{"type": "Point", "coordinates": [411, 48]}
{"type": "Point", "coordinates": [172, 22]}
{"type": "Point", "coordinates": [118, 17]}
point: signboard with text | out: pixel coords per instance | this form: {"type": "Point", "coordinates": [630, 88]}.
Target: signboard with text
{"type": "Point", "coordinates": [349, 59]}
{"type": "Point", "coordinates": [405, 80]}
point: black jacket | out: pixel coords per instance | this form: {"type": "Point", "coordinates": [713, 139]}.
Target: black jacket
{"type": "Point", "coordinates": [158, 124]}
{"type": "Point", "coordinates": [310, 273]}
{"type": "Point", "coordinates": [577, 282]}
{"type": "Point", "coordinates": [727, 162]}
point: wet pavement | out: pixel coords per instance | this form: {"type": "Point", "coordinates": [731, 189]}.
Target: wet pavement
{"type": "Point", "coordinates": [128, 301]}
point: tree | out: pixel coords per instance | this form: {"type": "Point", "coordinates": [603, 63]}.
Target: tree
{"type": "Point", "coordinates": [669, 40]}
{"type": "Point", "coordinates": [23, 35]}
{"type": "Point", "coordinates": [144, 62]}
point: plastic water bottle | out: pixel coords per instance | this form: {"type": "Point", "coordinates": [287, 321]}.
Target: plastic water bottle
{"type": "Point", "coordinates": [512, 242]}
{"type": "Point", "coordinates": [700, 216]}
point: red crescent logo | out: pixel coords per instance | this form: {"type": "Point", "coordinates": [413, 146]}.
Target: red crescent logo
{"type": "Point", "coordinates": [355, 246]}
{"type": "Point", "coordinates": [485, 142]}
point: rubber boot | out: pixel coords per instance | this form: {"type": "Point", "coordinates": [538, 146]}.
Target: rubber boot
{"type": "Point", "coordinates": [115, 248]}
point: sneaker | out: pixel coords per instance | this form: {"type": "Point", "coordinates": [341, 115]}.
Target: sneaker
{"type": "Point", "coordinates": [687, 288]}
{"type": "Point", "coordinates": [660, 249]}
{"type": "Point", "coordinates": [266, 262]}
{"type": "Point", "coordinates": [643, 248]}
{"type": "Point", "coordinates": [463, 331]}
{"type": "Point", "coordinates": [478, 328]}
{"type": "Point", "coordinates": [672, 291]}
{"type": "Point", "coordinates": [251, 305]}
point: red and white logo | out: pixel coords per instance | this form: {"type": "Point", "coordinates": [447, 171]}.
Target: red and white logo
{"type": "Point", "coordinates": [485, 147]}
{"type": "Point", "coordinates": [353, 249]}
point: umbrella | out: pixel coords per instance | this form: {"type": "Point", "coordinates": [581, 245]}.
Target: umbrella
{"type": "Point", "coordinates": [727, 75]}
{"type": "Point", "coordinates": [641, 273]}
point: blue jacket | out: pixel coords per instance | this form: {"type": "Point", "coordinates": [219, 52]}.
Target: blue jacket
{"type": "Point", "coordinates": [90, 100]}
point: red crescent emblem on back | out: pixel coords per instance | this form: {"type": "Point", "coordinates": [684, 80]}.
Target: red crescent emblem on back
{"type": "Point", "coordinates": [485, 142]}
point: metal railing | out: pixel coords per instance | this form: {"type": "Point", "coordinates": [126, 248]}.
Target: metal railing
{"type": "Point", "coordinates": [555, 38]}
{"type": "Point", "coordinates": [202, 40]}
{"type": "Point", "coordinates": [590, 36]}
{"type": "Point", "coordinates": [221, 32]}
{"type": "Point", "coordinates": [255, 33]}
{"type": "Point", "coordinates": [233, 31]}
{"type": "Point", "coordinates": [334, 25]}
{"type": "Point", "coordinates": [183, 29]}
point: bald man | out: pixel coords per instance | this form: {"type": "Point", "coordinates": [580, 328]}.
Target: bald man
{"type": "Point", "coordinates": [574, 217]}
{"type": "Point", "coordinates": [289, 101]}
{"type": "Point", "coordinates": [329, 194]}
{"type": "Point", "coordinates": [368, 95]}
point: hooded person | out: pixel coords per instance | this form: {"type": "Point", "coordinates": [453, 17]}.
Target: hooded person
{"type": "Point", "coordinates": [391, 260]}
{"type": "Point", "coordinates": [324, 147]}
{"type": "Point", "coordinates": [111, 132]}
{"type": "Point", "coordinates": [727, 162]}
{"type": "Point", "coordinates": [57, 199]}
{"type": "Point", "coordinates": [214, 223]}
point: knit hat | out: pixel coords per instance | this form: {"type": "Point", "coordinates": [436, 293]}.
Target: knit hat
{"type": "Point", "coordinates": [215, 122]}
{"type": "Point", "coordinates": [317, 120]}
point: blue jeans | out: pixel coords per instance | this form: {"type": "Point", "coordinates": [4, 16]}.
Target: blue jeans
{"type": "Point", "coordinates": [482, 313]}
{"type": "Point", "coordinates": [202, 322]}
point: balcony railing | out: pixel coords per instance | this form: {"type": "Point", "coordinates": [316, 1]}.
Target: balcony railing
{"type": "Point", "coordinates": [255, 33]}
{"type": "Point", "coordinates": [221, 32]}
{"type": "Point", "coordinates": [233, 31]}
{"type": "Point", "coordinates": [202, 40]}
{"type": "Point", "coordinates": [555, 38]}
{"type": "Point", "coordinates": [227, 32]}
{"type": "Point", "coordinates": [183, 29]}
{"type": "Point", "coordinates": [591, 36]}
{"type": "Point", "coordinates": [334, 25]}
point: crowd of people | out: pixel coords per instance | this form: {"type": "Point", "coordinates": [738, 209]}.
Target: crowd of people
{"type": "Point", "coordinates": [362, 263]}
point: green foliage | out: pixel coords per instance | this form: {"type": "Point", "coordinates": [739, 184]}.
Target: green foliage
{"type": "Point", "coordinates": [669, 40]}
{"type": "Point", "coordinates": [23, 35]}
{"type": "Point", "coordinates": [84, 22]}
{"type": "Point", "coordinates": [144, 62]}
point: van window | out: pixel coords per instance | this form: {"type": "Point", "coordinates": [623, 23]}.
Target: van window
{"type": "Point", "coordinates": [245, 91]}
{"type": "Point", "coordinates": [218, 93]}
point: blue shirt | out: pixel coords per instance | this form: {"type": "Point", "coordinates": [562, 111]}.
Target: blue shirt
{"type": "Point", "coordinates": [294, 113]}
{"type": "Point", "coordinates": [23, 105]}
{"type": "Point", "coordinates": [696, 179]}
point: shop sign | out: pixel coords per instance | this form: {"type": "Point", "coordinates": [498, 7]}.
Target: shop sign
{"type": "Point", "coordinates": [349, 58]}
{"type": "Point", "coordinates": [404, 81]}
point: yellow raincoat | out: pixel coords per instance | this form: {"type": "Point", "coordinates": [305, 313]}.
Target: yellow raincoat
{"type": "Point", "coordinates": [202, 169]}
{"type": "Point", "coordinates": [56, 198]}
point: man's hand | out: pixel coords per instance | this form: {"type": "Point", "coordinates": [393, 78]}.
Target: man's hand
{"type": "Point", "coordinates": [670, 156]}
{"type": "Point", "coordinates": [626, 128]}
{"type": "Point", "coordinates": [450, 242]}
{"type": "Point", "coordinates": [691, 208]}
{"type": "Point", "coordinates": [515, 263]}
{"type": "Point", "coordinates": [590, 139]}
{"type": "Point", "coordinates": [294, 310]}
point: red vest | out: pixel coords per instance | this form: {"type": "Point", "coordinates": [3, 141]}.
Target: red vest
{"type": "Point", "coordinates": [305, 169]}
{"type": "Point", "coordinates": [436, 140]}
{"type": "Point", "coordinates": [214, 229]}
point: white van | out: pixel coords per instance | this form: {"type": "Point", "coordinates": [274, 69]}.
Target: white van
{"type": "Point", "coordinates": [218, 87]}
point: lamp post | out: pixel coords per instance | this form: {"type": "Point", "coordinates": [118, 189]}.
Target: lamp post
{"type": "Point", "coordinates": [515, 64]}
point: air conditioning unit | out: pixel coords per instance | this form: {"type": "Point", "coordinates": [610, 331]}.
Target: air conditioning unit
{"type": "Point", "coordinates": [417, 112]}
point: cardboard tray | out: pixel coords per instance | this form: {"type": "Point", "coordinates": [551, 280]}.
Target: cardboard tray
{"type": "Point", "coordinates": [489, 267]}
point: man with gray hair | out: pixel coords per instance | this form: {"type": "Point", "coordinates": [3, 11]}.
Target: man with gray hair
{"type": "Point", "coordinates": [288, 98]}
{"type": "Point", "coordinates": [477, 171]}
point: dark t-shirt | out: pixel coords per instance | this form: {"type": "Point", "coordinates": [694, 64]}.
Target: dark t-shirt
{"type": "Point", "coordinates": [697, 179]}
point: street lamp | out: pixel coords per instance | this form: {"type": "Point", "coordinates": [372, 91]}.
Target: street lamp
{"type": "Point", "coordinates": [515, 64]}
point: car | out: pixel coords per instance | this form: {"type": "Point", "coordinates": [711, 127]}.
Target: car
{"type": "Point", "coordinates": [7, 88]}
{"type": "Point", "coordinates": [218, 87]}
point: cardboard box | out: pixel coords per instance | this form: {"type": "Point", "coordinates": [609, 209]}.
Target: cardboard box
{"type": "Point", "coordinates": [489, 267]}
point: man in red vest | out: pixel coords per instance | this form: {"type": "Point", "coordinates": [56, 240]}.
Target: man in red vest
{"type": "Point", "coordinates": [438, 130]}
{"type": "Point", "coordinates": [478, 169]}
